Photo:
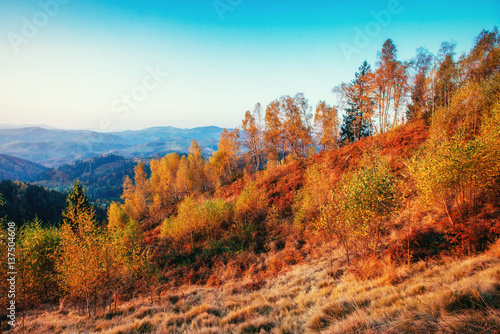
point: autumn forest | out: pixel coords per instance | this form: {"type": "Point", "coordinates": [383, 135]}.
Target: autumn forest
{"type": "Point", "coordinates": [380, 214]}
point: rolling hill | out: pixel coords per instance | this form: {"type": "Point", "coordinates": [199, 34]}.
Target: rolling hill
{"type": "Point", "coordinates": [54, 147]}
{"type": "Point", "coordinates": [12, 168]}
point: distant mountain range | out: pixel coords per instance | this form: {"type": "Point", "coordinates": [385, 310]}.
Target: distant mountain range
{"type": "Point", "coordinates": [55, 147]}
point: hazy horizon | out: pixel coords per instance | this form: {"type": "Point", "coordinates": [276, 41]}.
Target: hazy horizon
{"type": "Point", "coordinates": [48, 127]}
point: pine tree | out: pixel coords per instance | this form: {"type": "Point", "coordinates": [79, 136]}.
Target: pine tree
{"type": "Point", "coordinates": [359, 105]}
{"type": "Point", "coordinates": [79, 213]}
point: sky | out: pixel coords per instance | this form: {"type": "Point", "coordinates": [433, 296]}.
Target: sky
{"type": "Point", "coordinates": [122, 64]}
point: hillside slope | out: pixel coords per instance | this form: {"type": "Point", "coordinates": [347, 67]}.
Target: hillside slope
{"type": "Point", "coordinates": [23, 202]}
{"type": "Point", "coordinates": [447, 296]}
{"type": "Point", "coordinates": [17, 169]}
{"type": "Point", "coordinates": [102, 176]}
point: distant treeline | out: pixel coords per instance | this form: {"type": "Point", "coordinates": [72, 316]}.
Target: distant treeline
{"type": "Point", "coordinates": [23, 202]}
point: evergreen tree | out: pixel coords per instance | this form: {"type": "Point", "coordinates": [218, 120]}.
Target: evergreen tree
{"type": "Point", "coordinates": [356, 123]}
{"type": "Point", "coordinates": [78, 213]}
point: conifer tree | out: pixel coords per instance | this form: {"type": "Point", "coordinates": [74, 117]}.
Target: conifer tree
{"type": "Point", "coordinates": [79, 213]}
{"type": "Point", "coordinates": [358, 102]}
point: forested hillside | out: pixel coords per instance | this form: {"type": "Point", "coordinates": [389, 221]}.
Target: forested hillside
{"type": "Point", "coordinates": [102, 177]}
{"type": "Point", "coordinates": [23, 202]}
{"type": "Point", "coordinates": [16, 169]}
{"type": "Point", "coordinates": [380, 215]}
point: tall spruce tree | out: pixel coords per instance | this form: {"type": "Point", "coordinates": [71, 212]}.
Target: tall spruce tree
{"type": "Point", "coordinates": [356, 123]}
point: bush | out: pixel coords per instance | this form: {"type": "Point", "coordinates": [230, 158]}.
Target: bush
{"type": "Point", "coordinates": [456, 171]}
{"type": "Point", "coordinates": [421, 243]}
{"type": "Point", "coordinates": [356, 212]}
{"type": "Point", "coordinates": [38, 249]}
{"type": "Point", "coordinates": [312, 197]}
{"type": "Point", "coordinates": [196, 222]}
{"type": "Point", "coordinates": [251, 205]}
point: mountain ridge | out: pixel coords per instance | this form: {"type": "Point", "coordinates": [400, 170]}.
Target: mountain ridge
{"type": "Point", "coordinates": [12, 168]}
{"type": "Point", "coordinates": [55, 147]}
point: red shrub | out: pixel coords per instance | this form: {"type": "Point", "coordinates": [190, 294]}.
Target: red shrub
{"type": "Point", "coordinates": [421, 243]}
{"type": "Point", "coordinates": [473, 236]}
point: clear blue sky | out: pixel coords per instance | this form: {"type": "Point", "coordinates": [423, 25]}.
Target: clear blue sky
{"type": "Point", "coordinates": [87, 63]}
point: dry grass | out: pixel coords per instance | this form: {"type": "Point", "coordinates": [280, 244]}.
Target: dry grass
{"type": "Point", "coordinates": [446, 296]}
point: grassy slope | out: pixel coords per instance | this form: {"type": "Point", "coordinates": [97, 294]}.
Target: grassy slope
{"type": "Point", "coordinates": [445, 296]}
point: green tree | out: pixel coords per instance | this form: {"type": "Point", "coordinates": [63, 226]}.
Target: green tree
{"type": "Point", "coordinates": [38, 251]}
{"type": "Point", "coordinates": [356, 98]}
{"type": "Point", "coordinates": [79, 213]}
{"type": "Point", "coordinates": [358, 209]}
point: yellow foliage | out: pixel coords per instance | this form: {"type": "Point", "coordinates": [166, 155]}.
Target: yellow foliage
{"type": "Point", "coordinates": [312, 197]}
{"type": "Point", "coordinates": [455, 171]}
{"type": "Point", "coordinates": [163, 175]}
{"type": "Point", "coordinates": [250, 205]}
{"type": "Point", "coordinates": [196, 221]}
{"type": "Point", "coordinates": [357, 209]}
{"type": "Point", "coordinates": [117, 217]}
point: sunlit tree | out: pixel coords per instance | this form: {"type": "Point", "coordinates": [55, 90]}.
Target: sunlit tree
{"type": "Point", "coordinates": [326, 123]}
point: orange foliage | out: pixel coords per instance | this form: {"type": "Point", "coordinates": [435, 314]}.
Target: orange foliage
{"type": "Point", "coordinates": [281, 183]}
